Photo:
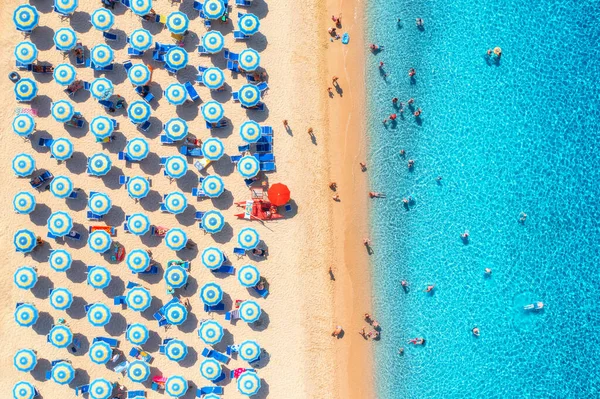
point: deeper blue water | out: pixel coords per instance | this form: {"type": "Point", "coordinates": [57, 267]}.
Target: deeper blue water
{"type": "Point", "coordinates": [518, 136]}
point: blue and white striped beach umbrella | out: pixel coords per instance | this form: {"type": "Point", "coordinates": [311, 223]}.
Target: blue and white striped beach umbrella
{"type": "Point", "coordinates": [248, 238]}
{"type": "Point", "coordinates": [211, 396]}
{"type": "Point", "coordinates": [176, 386]}
{"type": "Point", "coordinates": [213, 149]}
{"type": "Point", "coordinates": [23, 125]}
{"type": "Point", "coordinates": [62, 373]}
{"type": "Point", "coordinates": [138, 187]}
{"type": "Point", "coordinates": [61, 186]}
{"type": "Point", "coordinates": [213, 186]}
{"type": "Point", "coordinates": [176, 58]}
{"type": "Point", "coordinates": [248, 166]}
{"type": "Point", "coordinates": [213, 221]}
{"type": "Point", "coordinates": [25, 90]}
{"type": "Point", "coordinates": [176, 166]}
{"type": "Point", "coordinates": [99, 164]}
{"type": "Point", "coordinates": [60, 224]}
{"type": "Point", "coordinates": [137, 148]}
{"type": "Point", "coordinates": [61, 149]}
{"type": "Point", "coordinates": [99, 277]}
{"type": "Point", "coordinates": [101, 388]}
{"type": "Point", "coordinates": [213, 78]}
{"type": "Point", "coordinates": [248, 24]}
{"type": "Point", "coordinates": [211, 294]}
{"type": "Point", "coordinates": [177, 22]}
{"type": "Point", "coordinates": [62, 111]}
{"type": "Point", "coordinates": [137, 260]}
{"type": "Point", "coordinates": [102, 127]}
{"type": "Point", "coordinates": [212, 111]}
{"type": "Point", "coordinates": [26, 315]}
{"type": "Point", "coordinates": [102, 55]}
{"type": "Point", "coordinates": [23, 165]}
{"type": "Point", "coordinates": [60, 336]}
{"type": "Point", "coordinates": [176, 129]}
{"type": "Point", "coordinates": [250, 131]}
{"type": "Point", "coordinates": [100, 203]}
{"type": "Point", "coordinates": [249, 95]}
{"type": "Point", "coordinates": [213, 9]}
{"type": "Point", "coordinates": [64, 74]}
{"type": "Point", "coordinates": [250, 311]}
{"type": "Point", "coordinates": [138, 299]}
{"type": "Point", "coordinates": [102, 19]}
{"type": "Point", "coordinates": [212, 258]}
{"type": "Point", "coordinates": [25, 277]}
{"type": "Point", "coordinates": [176, 313]}
{"type": "Point", "coordinates": [176, 239]}
{"type": "Point", "coordinates": [213, 41]}
{"type": "Point", "coordinates": [249, 60]}
{"type": "Point", "coordinates": [99, 241]}
{"type": "Point", "coordinates": [101, 88]}
{"type": "Point", "coordinates": [138, 371]}
{"type": "Point", "coordinates": [65, 39]}
{"type": "Point", "coordinates": [98, 315]}
{"type": "Point", "coordinates": [60, 260]}
{"type": "Point", "coordinates": [141, 7]}
{"type": "Point", "coordinates": [176, 276]}
{"type": "Point", "coordinates": [248, 383]}
{"type": "Point", "coordinates": [211, 332]}
{"type": "Point", "coordinates": [248, 276]}
{"type": "Point", "coordinates": [249, 350]}
{"type": "Point", "coordinates": [139, 74]}
{"type": "Point", "coordinates": [61, 298]}
{"type": "Point", "coordinates": [139, 111]}
{"type": "Point", "coordinates": [140, 39]}
{"type": "Point", "coordinates": [210, 369]}
{"type": "Point", "coordinates": [137, 334]}
{"type": "Point", "coordinates": [24, 390]}
{"type": "Point", "coordinates": [24, 202]}
{"type": "Point", "coordinates": [176, 94]}
{"type": "Point", "coordinates": [176, 350]}
{"type": "Point", "coordinates": [24, 240]}
{"type": "Point", "coordinates": [100, 352]}
{"type": "Point", "coordinates": [25, 360]}
{"type": "Point", "coordinates": [26, 52]}
{"type": "Point", "coordinates": [26, 17]}
{"type": "Point", "coordinates": [65, 7]}
{"type": "Point", "coordinates": [138, 224]}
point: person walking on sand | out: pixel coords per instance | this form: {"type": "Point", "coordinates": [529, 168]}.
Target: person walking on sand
{"type": "Point", "coordinates": [338, 330]}
{"type": "Point", "coordinates": [334, 80]}
{"type": "Point", "coordinates": [285, 124]}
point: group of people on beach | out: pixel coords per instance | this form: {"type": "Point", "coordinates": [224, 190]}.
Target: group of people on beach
{"type": "Point", "coordinates": [374, 333]}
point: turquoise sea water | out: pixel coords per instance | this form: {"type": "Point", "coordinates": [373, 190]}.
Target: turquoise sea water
{"type": "Point", "coordinates": [518, 136]}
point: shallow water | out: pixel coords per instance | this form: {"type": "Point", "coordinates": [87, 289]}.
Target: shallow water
{"type": "Point", "coordinates": [516, 136]}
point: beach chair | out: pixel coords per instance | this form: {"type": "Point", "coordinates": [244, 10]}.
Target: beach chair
{"type": "Point", "coordinates": [158, 57]}
{"type": "Point", "coordinates": [233, 67]}
{"type": "Point", "coordinates": [243, 3]}
{"type": "Point", "coordinates": [164, 139]}
{"type": "Point", "coordinates": [266, 157]}
{"type": "Point", "coordinates": [191, 152]}
{"type": "Point", "coordinates": [201, 164]}
{"type": "Point", "coordinates": [109, 105]}
{"type": "Point", "coordinates": [243, 148]}
{"type": "Point", "coordinates": [123, 179]}
{"type": "Point", "coordinates": [202, 50]}
{"type": "Point", "coordinates": [237, 35]}
{"type": "Point", "coordinates": [110, 36]}
{"type": "Point", "coordinates": [152, 270]}
{"type": "Point", "coordinates": [191, 91]}
{"type": "Point", "coordinates": [235, 96]}
{"type": "Point", "coordinates": [126, 3]}
{"type": "Point", "coordinates": [198, 193]}
{"type": "Point", "coordinates": [131, 284]}
{"type": "Point", "coordinates": [263, 293]}
{"type": "Point", "coordinates": [224, 270]}
{"type": "Point", "coordinates": [240, 252]}
{"type": "Point", "coordinates": [218, 356]}
{"type": "Point", "coordinates": [262, 86]}
{"type": "Point", "coordinates": [127, 65]}
{"type": "Point", "coordinates": [82, 390]}
{"type": "Point", "coordinates": [45, 142]}
{"type": "Point", "coordinates": [266, 130]}
{"type": "Point", "coordinates": [197, 6]}
{"type": "Point", "coordinates": [136, 394]}
{"type": "Point", "coordinates": [199, 215]}
{"type": "Point", "coordinates": [200, 392]}
{"type": "Point", "coordinates": [265, 139]}
{"type": "Point", "coordinates": [233, 315]}
{"type": "Point", "coordinates": [140, 354]}
{"type": "Point", "coordinates": [232, 349]}
{"type": "Point", "coordinates": [264, 148]}
{"type": "Point", "coordinates": [121, 367]}
{"type": "Point", "coordinates": [94, 217]}
{"type": "Point", "coordinates": [158, 316]}
{"type": "Point", "coordinates": [147, 97]}
{"type": "Point", "coordinates": [119, 300]}
{"type": "Point", "coordinates": [122, 156]}
{"type": "Point", "coordinates": [288, 207]}
{"type": "Point", "coordinates": [73, 195]}
{"type": "Point", "coordinates": [267, 166]}
{"type": "Point", "coordinates": [104, 68]}
{"type": "Point", "coordinates": [214, 308]}
{"type": "Point", "coordinates": [145, 126]}
{"type": "Point", "coordinates": [230, 55]}
{"type": "Point", "coordinates": [112, 342]}
{"type": "Point", "coordinates": [134, 53]}
{"type": "Point", "coordinates": [235, 158]}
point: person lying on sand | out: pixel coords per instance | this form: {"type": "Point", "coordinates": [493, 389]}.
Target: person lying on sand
{"type": "Point", "coordinates": [338, 330]}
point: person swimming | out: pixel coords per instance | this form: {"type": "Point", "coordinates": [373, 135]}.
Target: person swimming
{"type": "Point", "coordinates": [475, 331]}
{"type": "Point", "coordinates": [374, 194]}
{"type": "Point", "coordinates": [375, 48]}
{"type": "Point", "coordinates": [417, 341]}
{"type": "Point", "coordinates": [412, 72]}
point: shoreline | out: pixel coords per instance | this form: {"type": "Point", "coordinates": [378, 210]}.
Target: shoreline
{"type": "Point", "coordinates": [348, 147]}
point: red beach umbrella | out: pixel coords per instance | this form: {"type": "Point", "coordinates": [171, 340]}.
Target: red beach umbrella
{"type": "Point", "coordinates": [279, 194]}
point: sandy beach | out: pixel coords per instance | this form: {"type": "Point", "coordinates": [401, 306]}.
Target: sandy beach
{"type": "Point", "coordinates": [303, 305]}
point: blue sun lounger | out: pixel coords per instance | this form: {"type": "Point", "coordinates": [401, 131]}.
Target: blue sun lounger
{"type": "Point", "coordinates": [121, 367]}
{"type": "Point", "coordinates": [214, 308]}
{"type": "Point", "coordinates": [233, 315]}
{"type": "Point", "coordinates": [199, 215]}
{"type": "Point", "coordinates": [190, 151]}
{"type": "Point", "coordinates": [224, 270]}
{"type": "Point", "coordinates": [230, 55]}
{"type": "Point", "coordinates": [127, 65]}
{"type": "Point", "coordinates": [262, 86]}
{"type": "Point", "coordinates": [264, 148]}
{"type": "Point", "coordinates": [139, 353]}
{"type": "Point", "coordinates": [120, 300]}
{"type": "Point", "coordinates": [144, 126]}
{"type": "Point", "coordinates": [123, 179]}
{"type": "Point", "coordinates": [41, 179]}
{"type": "Point", "coordinates": [107, 104]}
{"type": "Point", "coordinates": [131, 284]}
{"type": "Point", "coordinates": [237, 35]}
{"type": "Point", "coordinates": [263, 293]}
{"type": "Point", "coordinates": [191, 91]}
{"type": "Point", "coordinates": [266, 130]}
{"type": "Point", "coordinates": [82, 390]}
{"type": "Point", "coordinates": [235, 96]}
{"type": "Point", "coordinates": [123, 156]}
{"type": "Point", "coordinates": [267, 166]}
{"type": "Point", "coordinates": [235, 158]}
{"type": "Point", "coordinates": [208, 390]}
{"type": "Point", "coordinates": [197, 6]}
{"type": "Point", "coordinates": [45, 142]}
{"type": "Point", "coordinates": [265, 139]}
{"type": "Point", "coordinates": [147, 97]}
{"type": "Point", "coordinates": [152, 270]}
{"type": "Point", "coordinates": [164, 139]}
{"type": "Point", "coordinates": [243, 3]}
{"type": "Point", "coordinates": [239, 252]}
{"type": "Point", "coordinates": [110, 36]}
{"type": "Point", "coordinates": [112, 342]}
{"type": "Point", "coordinates": [136, 394]}
{"type": "Point", "coordinates": [73, 235]}
{"type": "Point", "coordinates": [94, 217]}
{"type": "Point", "coordinates": [198, 193]}
{"type": "Point", "coordinates": [202, 50]}
{"type": "Point", "coordinates": [133, 52]}
{"type": "Point", "coordinates": [218, 356]}
{"type": "Point", "coordinates": [158, 57]}
{"type": "Point", "coordinates": [266, 157]}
